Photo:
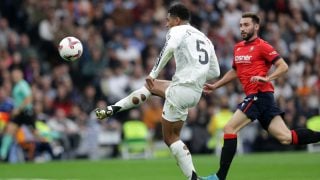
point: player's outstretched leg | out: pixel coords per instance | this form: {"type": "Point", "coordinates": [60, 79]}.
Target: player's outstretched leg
{"type": "Point", "coordinates": [134, 99]}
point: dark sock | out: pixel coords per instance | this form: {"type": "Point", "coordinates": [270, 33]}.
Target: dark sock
{"type": "Point", "coordinates": [304, 136]}
{"type": "Point", "coordinates": [115, 109]}
{"type": "Point", "coordinates": [194, 176]}
{"type": "Point", "coordinates": [228, 151]}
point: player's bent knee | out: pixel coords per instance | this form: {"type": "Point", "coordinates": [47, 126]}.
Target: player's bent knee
{"type": "Point", "coordinates": [168, 140]}
{"type": "Point", "coordinates": [229, 129]}
{"type": "Point", "coordinates": [285, 142]}
{"type": "Point", "coordinates": [285, 139]}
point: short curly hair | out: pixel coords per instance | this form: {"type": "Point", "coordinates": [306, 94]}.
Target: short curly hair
{"type": "Point", "coordinates": [179, 10]}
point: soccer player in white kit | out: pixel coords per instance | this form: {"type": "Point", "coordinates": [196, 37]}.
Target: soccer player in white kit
{"type": "Point", "coordinates": [196, 62]}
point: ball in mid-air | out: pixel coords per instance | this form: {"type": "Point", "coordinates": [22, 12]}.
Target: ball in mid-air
{"type": "Point", "coordinates": [70, 48]}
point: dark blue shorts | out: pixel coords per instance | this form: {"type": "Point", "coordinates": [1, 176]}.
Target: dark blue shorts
{"type": "Point", "coordinates": [261, 107]}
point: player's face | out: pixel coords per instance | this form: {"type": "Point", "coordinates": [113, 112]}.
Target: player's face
{"type": "Point", "coordinates": [16, 75]}
{"type": "Point", "coordinates": [172, 21]}
{"type": "Point", "coordinates": [248, 29]}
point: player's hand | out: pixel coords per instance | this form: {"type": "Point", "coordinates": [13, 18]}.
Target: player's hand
{"type": "Point", "coordinates": [255, 79]}
{"type": "Point", "coordinates": [208, 88]}
{"type": "Point", "coordinates": [149, 81]}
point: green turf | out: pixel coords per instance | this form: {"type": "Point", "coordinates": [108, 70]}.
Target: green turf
{"type": "Point", "coordinates": [275, 166]}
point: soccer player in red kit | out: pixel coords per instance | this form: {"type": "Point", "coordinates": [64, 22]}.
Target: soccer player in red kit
{"type": "Point", "coordinates": [253, 58]}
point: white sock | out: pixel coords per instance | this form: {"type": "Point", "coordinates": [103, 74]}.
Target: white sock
{"type": "Point", "coordinates": [134, 99]}
{"type": "Point", "coordinates": [183, 157]}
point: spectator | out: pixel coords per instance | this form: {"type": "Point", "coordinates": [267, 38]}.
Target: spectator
{"type": "Point", "coordinates": [6, 106]}
{"type": "Point", "coordinates": [67, 130]}
{"type": "Point", "coordinates": [22, 113]}
{"type": "Point", "coordinates": [29, 37]}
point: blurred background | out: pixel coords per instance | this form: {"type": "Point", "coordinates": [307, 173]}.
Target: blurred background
{"type": "Point", "coordinates": [122, 39]}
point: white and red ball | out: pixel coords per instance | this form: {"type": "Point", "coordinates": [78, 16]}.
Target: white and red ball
{"type": "Point", "coordinates": [70, 48]}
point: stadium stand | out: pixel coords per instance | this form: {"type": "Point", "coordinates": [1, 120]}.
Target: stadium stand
{"type": "Point", "coordinates": [122, 39]}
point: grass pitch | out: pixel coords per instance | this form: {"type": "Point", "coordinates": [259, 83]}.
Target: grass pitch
{"type": "Point", "coordinates": [275, 166]}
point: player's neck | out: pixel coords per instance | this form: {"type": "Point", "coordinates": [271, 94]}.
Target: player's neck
{"type": "Point", "coordinates": [183, 23]}
{"type": "Point", "coordinates": [253, 38]}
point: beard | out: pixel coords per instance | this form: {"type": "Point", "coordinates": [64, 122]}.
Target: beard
{"type": "Point", "coordinates": [247, 36]}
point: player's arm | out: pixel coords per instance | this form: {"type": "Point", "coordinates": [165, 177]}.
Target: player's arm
{"type": "Point", "coordinates": [281, 68]}
{"type": "Point", "coordinates": [164, 56]}
{"type": "Point", "coordinates": [214, 69]}
{"type": "Point", "coordinates": [229, 76]}
{"type": "Point", "coordinates": [271, 56]}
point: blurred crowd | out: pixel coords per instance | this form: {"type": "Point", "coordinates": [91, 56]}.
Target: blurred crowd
{"type": "Point", "coordinates": [122, 39]}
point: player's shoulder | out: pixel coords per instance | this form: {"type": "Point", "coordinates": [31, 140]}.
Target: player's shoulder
{"type": "Point", "coordinates": [239, 44]}
{"type": "Point", "coordinates": [183, 29]}
{"type": "Point", "coordinates": [176, 30]}
{"type": "Point", "coordinates": [263, 42]}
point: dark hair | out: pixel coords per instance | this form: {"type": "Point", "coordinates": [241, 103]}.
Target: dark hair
{"type": "Point", "coordinates": [255, 18]}
{"type": "Point", "coordinates": [179, 10]}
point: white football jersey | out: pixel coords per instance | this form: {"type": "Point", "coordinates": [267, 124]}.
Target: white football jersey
{"type": "Point", "coordinates": [195, 58]}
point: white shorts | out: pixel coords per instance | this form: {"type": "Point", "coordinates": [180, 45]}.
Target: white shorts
{"type": "Point", "coordinates": [178, 100]}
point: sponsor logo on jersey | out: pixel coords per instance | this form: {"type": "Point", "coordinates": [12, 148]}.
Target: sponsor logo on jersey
{"type": "Point", "coordinates": [243, 59]}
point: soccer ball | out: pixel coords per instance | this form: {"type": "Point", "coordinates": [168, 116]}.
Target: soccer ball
{"type": "Point", "coordinates": [70, 48]}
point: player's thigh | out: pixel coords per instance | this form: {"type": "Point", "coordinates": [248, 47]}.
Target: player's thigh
{"type": "Point", "coordinates": [237, 122]}
{"type": "Point", "coordinates": [279, 130]}
{"type": "Point", "coordinates": [160, 87]}
{"type": "Point", "coordinates": [178, 100]}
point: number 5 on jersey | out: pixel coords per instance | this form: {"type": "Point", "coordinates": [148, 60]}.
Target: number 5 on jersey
{"type": "Point", "coordinates": [205, 59]}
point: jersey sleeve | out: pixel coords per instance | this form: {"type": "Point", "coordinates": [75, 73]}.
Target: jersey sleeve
{"type": "Point", "coordinates": [269, 53]}
{"type": "Point", "coordinates": [214, 69]}
{"type": "Point", "coordinates": [26, 90]}
{"type": "Point", "coordinates": [165, 54]}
